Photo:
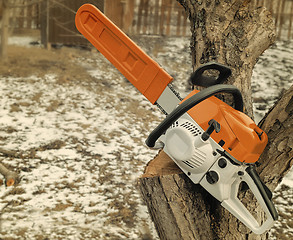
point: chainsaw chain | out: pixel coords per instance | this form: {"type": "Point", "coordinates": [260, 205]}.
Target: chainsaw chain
{"type": "Point", "coordinates": [170, 86]}
{"type": "Point", "coordinates": [175, 91]}
{"type": "Point", "coordinates": [161, 109]}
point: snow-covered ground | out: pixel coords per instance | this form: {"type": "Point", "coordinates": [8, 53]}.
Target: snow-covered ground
{"type": "Point", "coordinates": [79, 145]}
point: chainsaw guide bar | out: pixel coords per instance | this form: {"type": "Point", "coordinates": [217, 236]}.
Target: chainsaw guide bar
{"type": "Point", "coordinates": [214, 144]}
{"type": "Point", "coordinates": [142, 71]}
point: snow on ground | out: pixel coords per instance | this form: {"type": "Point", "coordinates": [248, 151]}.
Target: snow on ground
{"type": "Point", "coordinates": [79, 146]}
{"type": "Point", "coordinates": [272, 75]}
{"type": "Point", "coordinates": [81, 150]}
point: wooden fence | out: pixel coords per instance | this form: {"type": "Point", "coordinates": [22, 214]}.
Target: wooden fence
{"type": "Point", "coordinates": [58, 21]}
{"type": "Point", "coordinates": [27, 17]}
{"type": "Point", "coordinates": [167, 17]}
{"type": "Point", "coordinates": [154, 17]}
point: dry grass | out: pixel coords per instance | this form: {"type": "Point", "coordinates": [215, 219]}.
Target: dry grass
{"type": "Point", "coordinates": [25, 62]}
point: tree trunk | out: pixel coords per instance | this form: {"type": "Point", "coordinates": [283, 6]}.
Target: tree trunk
{"type": "Point", "coordinates": [229, 33]}
{"type": "Point", "coordinates": [277, 158]}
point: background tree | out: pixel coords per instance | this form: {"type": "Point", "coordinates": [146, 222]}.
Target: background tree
{"type": "Point", "coordinates": [4, 29]}
{"type": "Point", "coordinates": [6, 6]}
{"type": "Point", "coordinates": [228, 32]}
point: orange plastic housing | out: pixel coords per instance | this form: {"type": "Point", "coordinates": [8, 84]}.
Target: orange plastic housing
{"type": "Point", "coordinates": [243, 139]}
{"type": "Point", "coordinates": [143, 72]}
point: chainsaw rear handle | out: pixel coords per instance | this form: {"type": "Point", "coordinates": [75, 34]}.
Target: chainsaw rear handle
{"type": "Point", "coordinates": [191, 102]}
{"type": "Point", "coordinates": [263, 197]}
{"type": "Point", "coordinates": [264, 190]}
{"type": "Point", "coordinates": [198, 78]}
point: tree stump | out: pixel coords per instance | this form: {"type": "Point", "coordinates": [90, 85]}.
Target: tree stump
{"type": "Point", "coordinates": [230, 33]}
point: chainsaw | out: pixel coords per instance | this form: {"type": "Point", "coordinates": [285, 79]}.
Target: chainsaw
{"type": "Point", "coordinates": [214, 144]}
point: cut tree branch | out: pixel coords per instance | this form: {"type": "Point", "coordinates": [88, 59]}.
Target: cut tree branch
{"type": "Point", "coordinates": [10, 177]}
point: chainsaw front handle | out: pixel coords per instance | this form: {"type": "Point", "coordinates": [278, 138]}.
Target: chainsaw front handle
{"type": "Point", "coordinates": [263, 197]}
{"type": "Point", "coordinates": [190, 103]}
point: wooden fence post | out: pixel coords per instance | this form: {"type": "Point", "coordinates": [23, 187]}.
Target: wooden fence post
{"type": "Point", "coordinates": [128, 15]}
{"type": "Point", "coordinates": [281, 18]}
{"type": "Point", "coordinates": [4, 30]}
{"type": "Point", "coordinates": [290, 21]}
{"type": "Point", "coordinates": [145, 17]}
{"type": "Point", "coordinates": [45, 23]}
{"type": "Point", "coordinates": [156, 18]}
{"type": "Point", "coordinates": [139, 16]}
{"type": "Point", "coordinates": [114, 11]}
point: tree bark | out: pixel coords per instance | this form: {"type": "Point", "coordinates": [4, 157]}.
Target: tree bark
{"type": "Point", "coordinates": [229, 33]}
{"type": "Point", "coordinates": [277, 158]}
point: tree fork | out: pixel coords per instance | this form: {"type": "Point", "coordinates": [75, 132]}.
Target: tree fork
{"type": "Point", "coordinates": [230, 33]}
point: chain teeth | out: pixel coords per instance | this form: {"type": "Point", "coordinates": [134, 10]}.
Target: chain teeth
{"type": "Point", "coordinates": [170, 86]}
{"type": "Point", "coordinates": [175, 92]}
{"type": "Point", "coordinates": [162, 109]}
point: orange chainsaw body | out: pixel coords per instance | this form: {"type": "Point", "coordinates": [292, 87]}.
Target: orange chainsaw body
{"type": "Point", "coordinates": [241, 137]}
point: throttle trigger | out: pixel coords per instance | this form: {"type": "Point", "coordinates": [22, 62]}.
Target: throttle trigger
{"type": "Point", "coordinates": [214, 126]}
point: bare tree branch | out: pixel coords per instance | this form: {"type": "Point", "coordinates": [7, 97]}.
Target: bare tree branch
{"type": "Point", "coordinates": [64, 6]}
{"type": "Point", "coordinates": [65, 28]}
